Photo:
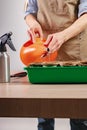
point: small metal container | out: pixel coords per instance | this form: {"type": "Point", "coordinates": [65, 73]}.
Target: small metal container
{"type": "Point", "coordinates": [4, 67]}
{"type": "Point", "coordinates": [4, 57]}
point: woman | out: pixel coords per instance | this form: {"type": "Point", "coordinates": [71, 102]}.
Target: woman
{"type": "Point", "coordinates": [63, 23]}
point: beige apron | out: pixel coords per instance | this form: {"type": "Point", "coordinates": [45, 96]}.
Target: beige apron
{"type": "Point", "coordinates": [57, 15]}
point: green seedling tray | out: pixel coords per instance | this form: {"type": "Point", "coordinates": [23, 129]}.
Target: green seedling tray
{"type": "Point", "coordinates": [56, 74]}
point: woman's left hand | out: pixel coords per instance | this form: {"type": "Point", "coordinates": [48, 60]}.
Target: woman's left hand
{"type": "Point", "coordinates": [55, 41]}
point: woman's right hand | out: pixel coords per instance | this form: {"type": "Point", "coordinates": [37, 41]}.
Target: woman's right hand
{"type": "Point", "coordinates": [35, 30]}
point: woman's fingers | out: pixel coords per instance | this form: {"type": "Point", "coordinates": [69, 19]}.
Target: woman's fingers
{"type": "Point", "coordinates": [49, 39]}
{"type": "Point", "coordinates": [53, 45]}
{"type": "Point", "coordinates": [55, 41]}
{"type": "Point", "coordinates": [33, 33]}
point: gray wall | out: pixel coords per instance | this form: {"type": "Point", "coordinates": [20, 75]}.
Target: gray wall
{"type": "Point", "coordinates": [12, 19]}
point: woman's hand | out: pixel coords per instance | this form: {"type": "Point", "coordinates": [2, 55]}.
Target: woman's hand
{"type": "Point", "coordinates": [35, 29]}
{"type": "Point", "coordinates": [55, 41]}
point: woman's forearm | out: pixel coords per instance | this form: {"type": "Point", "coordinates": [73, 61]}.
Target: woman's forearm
{"type": "Point", "coordinates": [30, 19]}
{"type": "Point", "coordinates": [77, 27]}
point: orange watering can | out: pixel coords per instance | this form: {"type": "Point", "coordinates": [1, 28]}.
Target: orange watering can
{"type": "Point", "coordinates": [33, 52]}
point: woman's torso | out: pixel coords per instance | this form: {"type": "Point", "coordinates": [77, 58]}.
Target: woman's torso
{"type": "Point", "coordinates": [57, 15]}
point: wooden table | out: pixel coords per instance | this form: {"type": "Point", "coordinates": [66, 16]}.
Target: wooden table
{"type": "Point", "coordinates": [22, 99]}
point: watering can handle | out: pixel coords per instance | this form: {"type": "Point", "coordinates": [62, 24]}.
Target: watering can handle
{"type": "Point", "coordinates": [30, 36]}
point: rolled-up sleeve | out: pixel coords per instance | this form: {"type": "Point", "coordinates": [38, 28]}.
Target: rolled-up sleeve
{"type": "Point", "coordinates": [31, 7]}
{"type": "Point", "coordinates": [82, 7]}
